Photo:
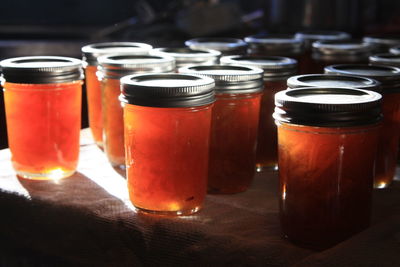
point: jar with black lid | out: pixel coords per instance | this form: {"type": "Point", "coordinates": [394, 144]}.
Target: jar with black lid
{"type": "Point", "coordinates": [389, 77]}
{"type": "Point", "coordinates": [42, 97]}
{"type": "Point", "coordinates": [167, 121]}
{"type": "Point", "coordinates": [310, 36]}
{"type": "Point", "coordinates": [326, 53]}
{"type": "Point", "coordinates": [382, 42]}
{"type": "Point", "coordinates": [90, 53]}
{"type": "Point", "coordinates": [112, 68]}
{"type": "Point", "coordinates": [234, 125]}
{"type": "Point", "coordinates": [185, 56]}
{"type": "Point", "coordinates": [327, 139]}
{"type": "Point", "coordinates": [284, 45]}
{"type": "Point", "coordinates": [276, 71]}
{"type": "Point", "coordinates": [227, 46]}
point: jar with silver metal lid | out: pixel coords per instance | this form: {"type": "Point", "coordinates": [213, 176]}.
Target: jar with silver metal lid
{"type": "Point", "coordinates": [234, 125]}
{"type": "Point", "coordinates": [326, 53]}
{"type": "Point", "coordinates": [284, 45]}
{"type": "Point", "coordinates": [42, 97]}
{"type": "Point", "coordinates": [385, 59]}
{"type": "Point", "coordinates": [167, 121]}
{"type": "Point", "coordinates": [276, 71]}
{"type": "Point", "coordinates": [389, 77]}
{"type": "Point", "coordinates": [328, 139]}
{"type": "Point", "coordinates": [111, 69]}
{"type": "Point", "coordinates": [227, 46]}
{"type": "Point", "coordinates": [90, 53]}
{"type": "Point", "coordinates": [382, 43]}
{"type": "Point", "coordinates": [310, 36]}
{"type": "Point", "coordinates": [185, 56]}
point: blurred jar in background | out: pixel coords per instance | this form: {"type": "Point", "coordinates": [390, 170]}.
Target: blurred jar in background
{"type": "Point", "coordinates": [308, 37]}
{"type": "Point", "coordinates": [167, 121]}
{"type": "Point", "coordinates": [326, 53]}
{"type": "Point", "coordinates": [227, 46]}
{"type": "Point", "coordinates": [395, 50]}
{"type": "Point", "coordinates": [327, 148]}
{"type": "Point", "coordinates": [111, 69]}
{"type": "Point", "coordinates": [90, 53]}
{"type": "Point", "coordinates": [42, 96]}
{"type": "Point", "coordinates": [389, 77]}
{"type": "Point", "coordinates": [234, 125]}
{"type": "Point", "coordinates": [382, 43]}
{"type": "Point", "coordinates": [185, 56]}
{"type": "Point", "coordinates": [385, 59]}
{"type": "Point", "coordinates": [276, 71]}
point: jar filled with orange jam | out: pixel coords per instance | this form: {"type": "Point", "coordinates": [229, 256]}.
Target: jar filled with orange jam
{"type": "Point", "coordinates": [350, 51]}
{"type": "Point", "coordinates": [327, 141]}
{"type": "Point", "coordinates": [90, 54]}
{"type": "Point", "coordinates": [234, 125]}
{"type": "Point", "coordinates": [389, 77]}
{"type": "Point", "coordinates": [308, 37]}
{"type": "Point", "coordinates": [42, 97]}
{"type": "Point", "coordinates": [167, 119]}
{"type": "Point", "coordinates": [184, 56]}
{"type": "Point", "coordinates": [276, 71]}
{"type": "Point", "coordinates": [227, 46]}
{"type": "Point", "coordinates": [111, 69]}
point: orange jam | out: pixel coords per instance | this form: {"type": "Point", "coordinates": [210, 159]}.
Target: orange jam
{"type": "Point", "coordinates": [94, 104]}
{"type": "Point", "coordinates": [234, 125]}
{"type": "Point", "coordinates": [90, 54]}
{"type": "Point", "coordinates": [43, 119]}
{"type": "Point", "coordinates": [167, 120]}
{"type": "Point", "coordinates": [326, 172]}
{"type": "Point", "coordinates": [111, 68]}
{"type": "Point", "coordinates": [234, 134]}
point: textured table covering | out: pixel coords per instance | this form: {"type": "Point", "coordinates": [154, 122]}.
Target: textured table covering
{"type": "Point", "coordinates": [87, 220]}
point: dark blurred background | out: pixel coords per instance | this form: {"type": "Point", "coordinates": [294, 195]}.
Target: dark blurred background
{"type": "Point", "coordinates": [62, 27]}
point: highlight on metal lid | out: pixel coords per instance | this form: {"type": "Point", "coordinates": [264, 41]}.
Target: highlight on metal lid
{"type": "Point", "coordinates": [167, 90]}
{"type": "Point", "coordinates": [114, 66]}
{"type": "Point", "coordinates": [350, 49]}
{"type": "Point", "coordinates": [274, 44]}
{"type": "Point", "coordinates": [328, 106]}
{"type": "Point", "coordinates": [91, 52]}
{"type": "Point", "coordinates": [230, 78]}
{"type": "Point", "coordinates": [385, 59]}
{"type": "Point", "coordinates": [395, 50]}
{"type": "Point", "coordinates": [275, 68]}
{"type": "Point", "coordinates": [324, 80]}
{"type": "Point", "coordinates": [314, 35]}
{"type": "Point", "coordinates": [41, 69]}
{"type": "Point", "coordinates": [185, 56]}
{"type": "Point", "coordinates": [224, 45]}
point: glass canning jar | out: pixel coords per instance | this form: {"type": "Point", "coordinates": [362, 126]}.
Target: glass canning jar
{"type": "Point", "coordinates": [111, 69]}
{"type": "Point", "coordinates": [276, 71]}
{"type": "Point", "coordinates": [389, 77]}
{"type": "Point", "coordinates": [167, 120]}
{"type": "Point", "coordinates": [185, 56]}
{"type": "Point", "coordinates": [234, 125]}
{"type": "Point", "coordinates": [326, 53]}
{"type": "Point", "coordinates": [42, 97]}
{"type": "Point", "coordinates": [90, 53]}
{"type": "Point", "coordinates": [310, 36]}
{"type": "Point", "coordinates": [327, 139]}
{"type": "Point", "coordinates": [227, 46]}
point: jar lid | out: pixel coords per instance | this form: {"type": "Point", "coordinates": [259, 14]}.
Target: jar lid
{"type": "Point", "coordinates": [223, 45]}
{"type": "Point", "coordinates": [385, 59]}
{"type": "Point", "coordinates": [387, 40]}
{"type": "Point", "coordinates": [275, 68]}
{"type": "Point", "coordinates": [93, 51]}
{"type": "Point", "coordinates": [325, 80]}
{"type": "Point", "coordinates": [395, 50]}
{"type": "Point", "coordinates": [274, 44]}
{"type": "Point", "coordinates": [114, 66]}
{"type": "Point", "coordinates": [167, 90]}
{"type": "Point", "coordinates": [230, 79]}
{"type": "Point", "coordinates": [341, 49]}
{"type": "Point", "coordinates": [310, 36]}
{"type": "Point", "coordinates": [389, 76]}
{"type": "Point", "coordinates": [328, 106]}
{"type": "Point", "coordinates": [185, 56]}
{"type": "Point", "coordinates": [41, 69]}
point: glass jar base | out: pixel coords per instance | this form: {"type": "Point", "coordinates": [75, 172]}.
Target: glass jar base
{"type": "Point", "coordinates": [169, 213]}
{"type": "Point", "coordinates": [264, 168]}
{"type": "Point", "coordinates": [55, 174]}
